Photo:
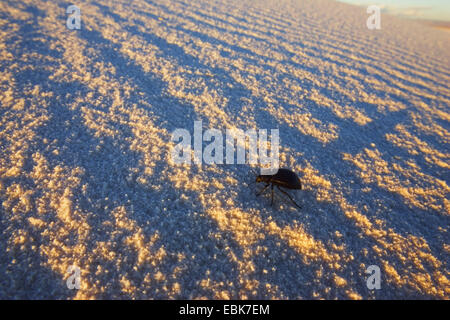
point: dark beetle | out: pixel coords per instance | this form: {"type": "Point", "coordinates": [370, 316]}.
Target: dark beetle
{"type": "Point", "coordinates": [283, 178]}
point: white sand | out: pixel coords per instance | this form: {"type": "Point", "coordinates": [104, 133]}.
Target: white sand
{"type": "Point", "coordinates": [86, 180]}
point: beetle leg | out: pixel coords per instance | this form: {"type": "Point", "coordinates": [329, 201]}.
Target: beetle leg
{"type": "Point", "coordinates": [289, 197]}
{"type": "Point", "coordinates": [262, 190]}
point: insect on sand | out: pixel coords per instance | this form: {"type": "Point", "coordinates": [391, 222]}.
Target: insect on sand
{"type": "Point", "coordinates": [284, 178]}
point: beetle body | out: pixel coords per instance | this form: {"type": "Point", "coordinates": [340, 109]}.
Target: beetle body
{"type": "Point", "coordinates": [283, 178]}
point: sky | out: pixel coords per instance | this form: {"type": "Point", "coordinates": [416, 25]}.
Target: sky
{"type": "Point", "coordinates": [421, 9]}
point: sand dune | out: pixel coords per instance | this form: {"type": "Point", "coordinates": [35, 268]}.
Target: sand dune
{"type": "Point", "coordinates": [86, 178]}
